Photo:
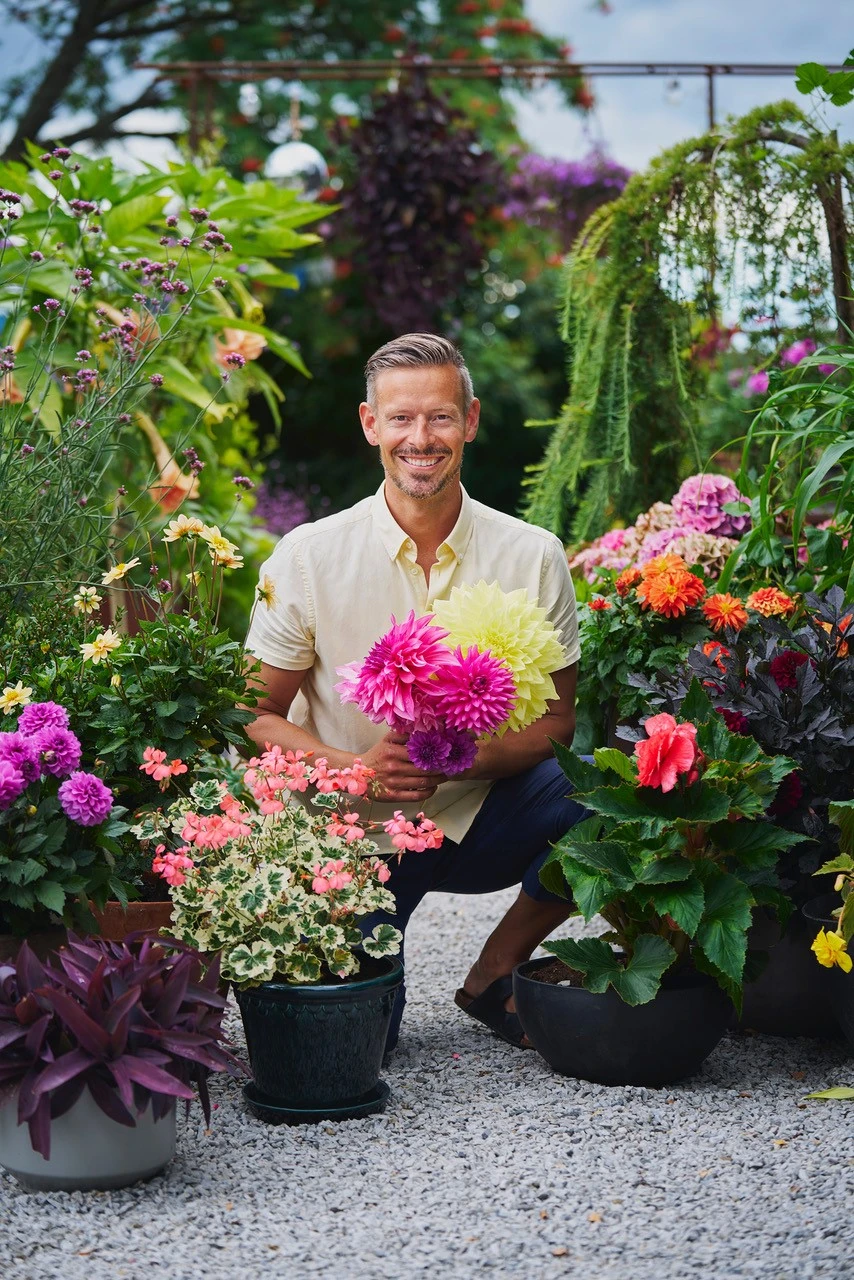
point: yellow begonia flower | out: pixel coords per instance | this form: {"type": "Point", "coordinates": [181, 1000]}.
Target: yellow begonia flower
{"type": "Point", "coordinates": [118, 571]}
{"type": "Point", "coordinates": [514, 630]}
{"type": "Point", "coordinates": [266, 591]}
{"type": "Point", "coordinates": [101, 647]}
{"type": "Point", "coordinates": [13, 697]}
{"type": "Point", "coordinates": [182, 527]}
{"type": "Point", "coordinates": [86, 600]}
{"type": "Point", "coordinates": [831, 949]}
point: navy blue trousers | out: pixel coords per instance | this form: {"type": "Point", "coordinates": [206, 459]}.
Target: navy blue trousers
{"type": "Point", "coordinates": [508, 842]}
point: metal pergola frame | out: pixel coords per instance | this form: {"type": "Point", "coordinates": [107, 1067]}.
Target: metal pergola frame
{"type": "Point", "coordinates": [529, 71]}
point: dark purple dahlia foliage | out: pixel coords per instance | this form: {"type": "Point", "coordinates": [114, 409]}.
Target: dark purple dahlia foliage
{"type": "Point", "coordinates": [133, 1022]}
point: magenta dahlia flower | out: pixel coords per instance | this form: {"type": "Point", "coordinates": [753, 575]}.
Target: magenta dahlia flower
{"type": "Point", "coordinates": [12, 784]}
{"type": "Point", "coordinates": [42, 715]}
{"type": "Point", "coordinates": [85, 799]}
{"type": "Point", "coordinates": [397, 673]}
{"type": "Point", "coordinates": [699, 504]}
{"type": "Point", "coordinates": [21, 752]}
{"type": "Point", "coordinates": [59, 749]}
{"type": "Point", "coordinates": [475, 692]}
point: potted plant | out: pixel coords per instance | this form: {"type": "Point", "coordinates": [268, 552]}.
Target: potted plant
{"type": "Point", "coordinates": [95, 1048]}
{"type": "Point", "coordinates": [836, 918]}
{"type": "Point", "coordinates": [276, 890]}
{"type": "Point", "coordinates": [59, 826]}
{"type": "Point", "coordinates": [675, 854]}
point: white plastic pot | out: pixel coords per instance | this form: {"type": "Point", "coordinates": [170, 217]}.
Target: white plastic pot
{"type": "Point", "coordinates": [88, 1150]}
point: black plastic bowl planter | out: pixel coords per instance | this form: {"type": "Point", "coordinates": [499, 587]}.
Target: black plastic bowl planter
{"type": "Point", "coordinates": [840, 986]}
{"type": "Point", "coordinates": [316, 1050]}
{"type": "Point", "coordinates": [603, 1039]}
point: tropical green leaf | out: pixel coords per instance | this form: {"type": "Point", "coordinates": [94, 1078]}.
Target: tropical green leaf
{"type": "Point", "coordinates": [613, 758]}
{"type": "Point", "coordinates": [665, 871]}
{"type": "Point", "coordinates": [132, 214]}
{"type": "Point", "coordinates": [722, 932]}
{"type": "Point", "coordinates": [696, 705]}
{"type": "Point", "coordinates": [636, 983]}
{"type": "Point", "coordinates": [580, 773]}
{"type": "Point", "coordinates": [683, 902]}
{"type": "Point", "coordinates": [178, 380]}
{"type": "Point", "coordinates": [754, 844]}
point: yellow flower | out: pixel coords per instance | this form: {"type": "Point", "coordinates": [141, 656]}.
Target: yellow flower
{"type": "Point", "coordinates": [118, 571]}
{"type": "Point", "coordinates": [266, 591]}
{"type": "Point", "coordinates": [516, 631]}
{"type": "Point", "coordinates": [86, 600]}
{"type": "Point", "coordinates": [831, 949]}
{"type": "Point", "coordinates": [230, 559]}
{"type": "Point", "coordinates": [222, 550]}
{"type": "Point", "coordinates": [182, 527]}
{"type": "Point", "coordinates": [195, 577]}
{"type": "Point", "coordinates": [115, 680]}
{"type": "Point", "coordinates": [101, 647]}
{"type": "Point", "coordinates": [13, 697]}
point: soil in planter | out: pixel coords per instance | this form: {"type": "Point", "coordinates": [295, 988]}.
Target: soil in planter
{"type": "Point", "coordinates": [558, 973]}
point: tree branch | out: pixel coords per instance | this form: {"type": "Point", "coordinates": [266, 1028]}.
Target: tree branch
{"type": "Point", "coordinates": [174, 23]}
{"type": "Point", "coordinates": [104, 127]}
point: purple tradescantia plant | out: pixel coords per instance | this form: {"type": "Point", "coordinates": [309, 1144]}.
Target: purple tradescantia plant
{"type": "Point", "coordinates": [134, 1022]}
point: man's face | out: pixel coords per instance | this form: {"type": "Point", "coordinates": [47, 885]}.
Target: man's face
{"type": "Point", "coordinates": [420, 427]}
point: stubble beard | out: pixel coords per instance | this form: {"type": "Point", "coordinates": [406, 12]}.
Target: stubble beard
{"type": "Point", "coordinates": [420, 492]}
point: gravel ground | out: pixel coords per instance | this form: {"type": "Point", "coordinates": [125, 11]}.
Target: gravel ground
{"type": "Point", "coordinates": [485, 1163]}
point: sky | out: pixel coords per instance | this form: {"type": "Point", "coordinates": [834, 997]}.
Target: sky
{"type": "Point", "coordinates": [638, 117]}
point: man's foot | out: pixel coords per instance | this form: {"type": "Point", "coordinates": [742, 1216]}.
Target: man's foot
{"type": "Point", "coordinates": [490, 1007]}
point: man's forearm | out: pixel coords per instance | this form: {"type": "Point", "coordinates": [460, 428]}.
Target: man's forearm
{"type": "Point", "coordinates": [278, 731]}
{"type": "Point", "coordinates": [516, 752]}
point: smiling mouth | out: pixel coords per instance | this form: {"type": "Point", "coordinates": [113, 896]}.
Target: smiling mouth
{"type": "Point", "coordinates": [421, 463]}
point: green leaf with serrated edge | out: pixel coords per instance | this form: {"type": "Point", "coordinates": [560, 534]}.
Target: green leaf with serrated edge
{"type": "Point", "coordinates": [810, 76]}
{"type": "Point", "coordinates": [665, 871]}
{"type": "Point", "coordinates": [611, 758]}
{"type": "Point", "coordinates": [658, 809]}
{"type": "Point", "coordinates": [590, 889]}
{"type": "Point", "coordinates": [580, 772]}
{"type": "Point", "coordinates": [754, 844]}
{"type": "Point", "coordinates": [636, 983]}
{"type": "Point", "coordinates": [722, 932]}
{"type": "Point", "coordinates": [552, 877]}
{"type": "Point", "coordinates": [734, 990]}
{"type": "Point", "coordinates": [605, 856]}
{"type": "Point", "coordinates": [50, 895]}
{"type": "Point", "coordinates": [684, 902]}
{"type": "Point", "coordinates": [846, 919]}
{"type": "Point", "coordinates": [838, 1092]}
{"type": "Point", "coordinates": [844, 862]}
{"type": "Point", "coordinates": [696, 705]}
{"type": "Point", "coordinates": [841, 814]}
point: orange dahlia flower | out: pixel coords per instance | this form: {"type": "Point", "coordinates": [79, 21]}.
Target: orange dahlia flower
{"type": "Point", "coordinates": [844, 624]}
{"type": "Point", "coordinates": [662, 564]}
{"type": "Point", "coordinates": [723, 610]}
{"type": "Point", "coordinates": [628, 579]}
{"type": "Point", "coordinates": [716, 651]}
{"type": "Point", "coordinates": [599, 603]}
{"type": "Point", "coordinates": [770, 602]}
{"type": "Point", "coordinates": [672, 592]}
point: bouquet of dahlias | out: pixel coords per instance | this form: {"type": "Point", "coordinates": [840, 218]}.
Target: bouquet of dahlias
{"type": "Point", "coordinates": [479, 665]}
{"type": "Point", "coordinates": [59, 827]}
{"type": "Point", "coordinates": [274, 887]}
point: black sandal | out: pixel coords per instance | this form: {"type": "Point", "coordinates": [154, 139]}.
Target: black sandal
{"type": "Point", "coordinates": [489, 1009]}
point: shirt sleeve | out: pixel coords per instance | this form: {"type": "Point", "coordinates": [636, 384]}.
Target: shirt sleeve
{"type": "Point", "coordinates": [557, 597]}
{"type": "Point", "coordinates": [282, 629]}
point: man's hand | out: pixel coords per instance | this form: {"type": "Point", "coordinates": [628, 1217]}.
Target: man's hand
{"type": "Point", "coordinates": [397, 778]}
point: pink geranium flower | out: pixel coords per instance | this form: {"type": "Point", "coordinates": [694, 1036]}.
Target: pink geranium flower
{"type": "Point", "coordinates": [396, 675]}
{"type": "Point", "coordinates": [669, 751]}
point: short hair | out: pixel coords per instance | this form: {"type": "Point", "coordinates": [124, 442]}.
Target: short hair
{"type": "Point", "coordinates": [414, 351]}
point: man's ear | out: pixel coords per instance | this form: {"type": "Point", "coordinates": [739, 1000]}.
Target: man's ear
{"type": "Point", "coordinates": [368, 419]}
{"type": "Point", "coordinates": [472, 421]}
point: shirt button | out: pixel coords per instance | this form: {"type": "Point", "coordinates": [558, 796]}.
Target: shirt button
{"type": "Point", "coordinates": [414, 572]}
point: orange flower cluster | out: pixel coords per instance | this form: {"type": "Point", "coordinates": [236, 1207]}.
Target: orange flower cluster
{"type": "Point", "coordinates": [723, 610]}
{"type": "Point", "coordinates": [717, 652]}
{"type": "Point", "coordinates": [668, 587]}
{"type": "Point", "coordinates": [599, 602]}
{"type": "Point", "coordinates": [771, 602]}
{"type": "Point", "coordinates": [628, 579]}
{"type": "Point", "coordinates": [844, 624]}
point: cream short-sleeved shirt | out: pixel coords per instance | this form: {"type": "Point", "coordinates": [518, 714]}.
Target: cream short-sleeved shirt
{"type": "Point", "coordinates": [339, 580]}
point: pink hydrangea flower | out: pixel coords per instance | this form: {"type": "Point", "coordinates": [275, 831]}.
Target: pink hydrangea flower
{"type": "Point", "coordinates": [699, 504]}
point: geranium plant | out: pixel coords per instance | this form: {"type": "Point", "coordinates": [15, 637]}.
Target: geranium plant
{"type": "Point", "coordinates": [676, 852]}
{"type": "Point", "coordinates": [276, 888]}
{"type": "Point", "coordinates": [135, 1023]}
{"type": "Point", "coordinates": [59, 825]}
{"type": "Point", "coordinates": [480, 664]}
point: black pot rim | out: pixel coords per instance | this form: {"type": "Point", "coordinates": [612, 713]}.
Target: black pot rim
{"type": "Point", "coordinates": [685, 978]}
{"type": "Point", "coordinates": [308, 989]}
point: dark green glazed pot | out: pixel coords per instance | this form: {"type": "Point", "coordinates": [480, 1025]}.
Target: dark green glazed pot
{"type": "Point", "coordinates": [320, 1046]}
{"type": "Point", "coordinates": [819, 913]}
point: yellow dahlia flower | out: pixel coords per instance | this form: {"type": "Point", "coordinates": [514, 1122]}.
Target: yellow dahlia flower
{"type": "Point", "coordinates": [513, 629]}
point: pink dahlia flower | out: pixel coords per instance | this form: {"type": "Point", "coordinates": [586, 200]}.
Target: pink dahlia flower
{"type": "Point", "coordinates": [12, 784]}
{"type": "Point", "coordinates": [21, 752]}
{"type": "Point", "coordinates": [42, 715]}
{"type": "Point", "coordinates": [85, 799]}
{"type": "Point", "coordinates": [476, 692]}
{"type": "Point", "coordinates": [397, 674]}
{"type": "Point", "coordinates": [700, 501]}
{"type": "Point", "coordinates": [59, 749]}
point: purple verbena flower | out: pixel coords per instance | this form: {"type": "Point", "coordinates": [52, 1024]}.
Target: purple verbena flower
{"type": "Point", "coordinates": [85, 799]}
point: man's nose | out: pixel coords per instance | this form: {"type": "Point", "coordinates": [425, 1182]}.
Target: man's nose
{"type": "Point", "coordinates": [419, 432]}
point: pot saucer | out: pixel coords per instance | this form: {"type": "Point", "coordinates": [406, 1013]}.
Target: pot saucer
{"type": "Point", "coordinates": [275, 1112]}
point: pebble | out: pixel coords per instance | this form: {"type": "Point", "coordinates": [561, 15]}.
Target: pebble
{"type": "Point", "coordinates": [451, 1181]}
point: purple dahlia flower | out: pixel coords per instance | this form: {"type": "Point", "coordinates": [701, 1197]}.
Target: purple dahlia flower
{"type": "Point", "coordinates": [22, 753]}
{"type": "Point", "coordinates": [428, 749]}
{"type": "Point", "coordinates": [85, 799]}
{"type": "Point", "coordinates": [42, 715]}
{"type": "Point", "coordinates": [462, 753]}
{"type": "Point", "coordinates": [12, 784]}
{"type": "Point", "coordinates": [60, 750]}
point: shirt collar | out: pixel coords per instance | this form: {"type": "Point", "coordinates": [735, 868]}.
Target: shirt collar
{"type": "Point", "coordinates": [393, 537]}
